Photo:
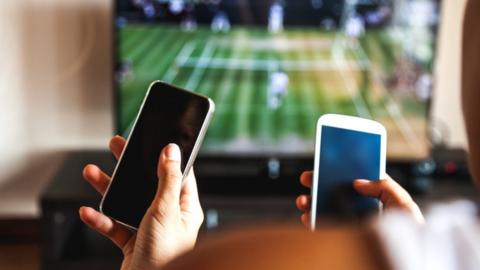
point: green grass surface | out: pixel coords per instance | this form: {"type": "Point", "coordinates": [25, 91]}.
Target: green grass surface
{"type": "Point", "coordinates": [240, 92]}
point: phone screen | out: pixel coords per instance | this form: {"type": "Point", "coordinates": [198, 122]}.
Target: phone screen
{"type": "Point", "coordinates": [169, 115]}
{"type": "Point", "coordinates": [346, 155]}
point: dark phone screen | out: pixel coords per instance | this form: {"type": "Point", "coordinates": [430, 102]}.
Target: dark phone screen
{"type": "Point", "coordinates": [169, 115]}
{"type": "Point", "coordinates": [346, 155]}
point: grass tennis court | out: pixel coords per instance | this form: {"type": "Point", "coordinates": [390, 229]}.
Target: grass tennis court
{"type": "Point", "coordinates": [327, 74]}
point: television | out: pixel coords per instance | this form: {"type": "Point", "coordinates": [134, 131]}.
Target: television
{"type": "Point", "coordinates": [273, 67]}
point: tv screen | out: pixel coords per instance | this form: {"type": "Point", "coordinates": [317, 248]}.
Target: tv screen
{"type": "Point", "coordinates": [274, 67]}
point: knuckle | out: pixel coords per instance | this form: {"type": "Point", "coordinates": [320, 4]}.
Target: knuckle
{"type": "Point", "coordinates": [169, 196]}
{"type": "Point", "coordinates": [170, 169]}
{"type": "Point", "coordinates": [113, 231]}
{"type": "Point", "coordinates": [201, 218]}
{"type": "Point", "coordinates": [385, 183]}
{"type": "Point", "coordinates": [172, 176]}
{"type": "Point", "coordinates": [406, 203]}
{"type": "Point", "coordinates": [160, 208]}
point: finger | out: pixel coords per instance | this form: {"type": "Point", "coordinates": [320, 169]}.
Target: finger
{"type": "Point", "coordinates": [96, 177]}
{"type": "Point", "coordinates": [189, 186]}
{"type": "Point", "coordinates": [303, 203]}
{"type": "Point", "coordinates": [305, 218]}
{"type": "Point", "coordinates": [306, 179]}
{"type": "Point", "coordinates": [169, 175]}
{"type": "Point", "coordinates": [106, 226]}
{"type": "Point", "coordinates": [116, 145]}
{"type": "Point", "coordinates": [189, 200]}
{"type": "Point", "coordinates": [189, 192]}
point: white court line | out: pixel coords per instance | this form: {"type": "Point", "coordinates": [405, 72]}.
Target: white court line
{"type": "Point", "coordinates": [267, 64]}
{"type": "Point", "coordinates": [199, 69]}
{"type": "Point", "coordinates": [226, 83]}
{"type": "Point", "coordinates": [306, 84]}
{"type": "Point", "coordinates": [244, 101]}
{"type": "Point", "coordinates": [281, 44]}
{"type": "Point", "coordinates": [180, 60]}
{"type": "Point", "coordinates": [360, 104]}
{"type": "Point", "coordinates": [392, 107]}
{"type": "Point", "coordinates": [327, 98]}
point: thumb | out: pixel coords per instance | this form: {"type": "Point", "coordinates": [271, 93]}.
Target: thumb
{"type": "Point", "coordinates": [169, 175]}
{"type": "Point", "coordinates": [390, 193]}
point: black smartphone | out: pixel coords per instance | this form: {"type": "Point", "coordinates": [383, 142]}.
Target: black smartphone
{"type": "Point", "coordinates": [168, 115]}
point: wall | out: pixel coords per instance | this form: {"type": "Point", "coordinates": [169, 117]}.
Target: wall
{"type": "Point", "coordinates": [54, 76]}
{"type": "Point", "coordinates": [55, 87]}
{"type": "Point", "coordinates": [54, 90]}
{"type": "Point", "coordinates": [446, 110]}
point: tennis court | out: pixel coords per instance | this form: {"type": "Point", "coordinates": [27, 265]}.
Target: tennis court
{"type": "Point", "coordinates": [327, 73]}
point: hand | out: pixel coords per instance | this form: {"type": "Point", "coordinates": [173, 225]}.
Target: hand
{"type": "Point", "coordinates": [389, 192]}
{"type": "Point", "coordinates": [171, 223]}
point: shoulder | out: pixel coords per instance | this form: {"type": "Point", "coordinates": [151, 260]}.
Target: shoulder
{"type": "Point", "coordinates": [287, 247]}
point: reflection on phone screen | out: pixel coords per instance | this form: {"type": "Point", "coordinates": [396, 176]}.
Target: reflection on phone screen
{"type": "Point", "coordinates": [168, 116]}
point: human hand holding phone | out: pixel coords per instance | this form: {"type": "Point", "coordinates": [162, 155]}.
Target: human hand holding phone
{"type": "Point", "coordinates": [389, 192]}
{"type": "Point", "coordinates": [171, 223]}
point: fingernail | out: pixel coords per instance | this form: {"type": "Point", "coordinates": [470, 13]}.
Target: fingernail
{"type": "Point", "coordinates": [172, 152]}
{"type": "Point", "coordinates": [362, 181]}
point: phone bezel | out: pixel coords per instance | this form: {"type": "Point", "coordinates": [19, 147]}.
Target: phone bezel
{"type": "Point", "coordinates": [351, 123]}
{"type": "Point", "coordinates": [193, 155]}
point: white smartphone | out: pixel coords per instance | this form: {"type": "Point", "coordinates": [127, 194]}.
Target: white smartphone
{"type": "Point", "coordinates": [168, 115]}
{"type": "Point", "coordinates": [346, 148]}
